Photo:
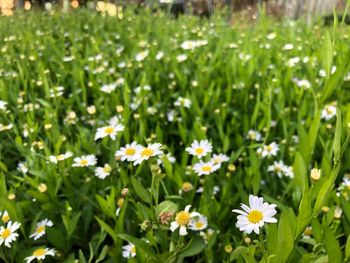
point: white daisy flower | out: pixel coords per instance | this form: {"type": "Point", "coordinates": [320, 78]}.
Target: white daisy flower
{"type": "Point", "coordinates": [110, 131]}
{"type": "Point", "coordinates": [22, 168]}
{"type": "Point", "coordinates": [219, 158]}
{"type": "Point", "coordinates": [141, 56]}
{"type": "Point", "coordinates": [252, 217]}
{"type": "Point", "coordinates": [205, 167]}
{"type": "Point", "coordinates": [182, 220]}
{"type": "Point", "coordinates": [129, 251]}
{"type": "Point", "coordinates": [103, 172]}
{"type": "Point", "coordinates": [183, 102]}
{"type": "Point", "coordinates": [278, 168]}
{"type": "Point", "coordinates": [181, 58]}
{"type": "Point", "coordinates": [60, 157]}
{"type": "Point", "coordinates": [288, 171]}
{"type": "Point", "coordinates": [108, 88]}
{"type": "Point", "coordinates": [199, 149]}
{"type": "Point", "coordinates": [144, 153]}
{"type": "Point", "coordinates": [86, 160]}
{"type": "Point", "coordinates": [40, 254]}
{"type": "Point", "coordinates": [328, 112]}
{"type": "Point", "coordinates": [254, 135]}
{"type": "Point", "coordinates": [128, 152]}
{"type": "Point", "coordinates": [7, 234]}
{"type": "Point", "coordinates": [198, 223]}
{"type": "Point", "coordinates": [268, 150]}
{"type": "Point", "coordinates": [40, 228]}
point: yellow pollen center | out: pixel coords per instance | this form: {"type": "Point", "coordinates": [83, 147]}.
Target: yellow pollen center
{"type": "Point", "coordinates": [84, 162]}
{"type": "Point", "coordinates": [277, 169]}
{"type": "Point", "coordinates": [107, 169]}
{"type": "Point", "coordinates": [269, 148]}
{"type": "Point", "coordinates": [109, 130]}
{"type": "Point", "coordinates": [133, 250]}
{"type": "Point", "coordinates": [60, 157]}
{"type": "Point", "coordinates": [39, 252]}
{"type": "Point", "coordinates": [183, 218]}
{"type": "Point", "coordinates": [130, 151]}
{"type": "Point", "coordinates": [6, 233]}
{"type": "Point", "coordinates": [146, 152]}
{"type": "Point", "coordinates": [255, 216]}
{"type": "Point", "coordinates": [40, 229]}
{"type": "Point", "coordinates": [252, 136]}
{"type": "Point", "coordinates": [199, 225]}
{"type": "Point", "coordinates": [206, 168]}
{"type": "Point", "coordinates": [199, 150]}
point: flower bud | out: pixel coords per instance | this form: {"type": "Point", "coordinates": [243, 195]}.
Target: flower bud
{"type": "Point", "coordinates": [315, 174]}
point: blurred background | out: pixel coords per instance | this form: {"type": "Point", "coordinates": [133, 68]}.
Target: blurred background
{"type": "Point", "coordinates": [250, 8]}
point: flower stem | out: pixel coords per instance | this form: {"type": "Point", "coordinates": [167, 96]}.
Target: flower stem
{"type": "Point", "coordinates": [262, 246]}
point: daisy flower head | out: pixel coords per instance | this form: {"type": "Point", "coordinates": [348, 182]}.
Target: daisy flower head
{"type": "Point", "coordinates": [128, 152]}
{"type": "Point", "coordinates": [182, 220]}
{"type": "Point", "coordinates": [254, 135]}
{"type": "Point", "coordinates": [277, 168]}
{"type": "Point", "coordinates": [103, 172]}
{"type": "Point", "coordinates": [145, 153]}
{"type": "Point", "coordinates": [219, 158]}
{"type": "Point", "coordinates": [108, 88]}
{"type": "Point", "coordinates": [40, 228]}
{"type": "Point", "coordinates": [198, 223]}
{"type": "Point", "coordinates": [252, 217]}
{"type": "Point", "coordinates": [40, 254]}
{"type": "Point", "coordinates": [328, 112]}
{"type": "Point", "coordinates": [268, 150]}
{"type": "Point", "coordinates": [199, 149]}
{"type": "Point", "coordinates": [205, 167]}
{"type": "Point", "coordinates": [8, 234]}
{"type": "Point", "coordinates": [84, 161]}
{"type": "Point", "coordinates": [129, 251]}
{"type": "Point", "coordinates": [3, 105]}
{"type": "Point", "coordinates": [60, 157]}
{"type": "Point", "coordinates": [183, 102]}
{"type": "Point", "coordinates": [110, 130]}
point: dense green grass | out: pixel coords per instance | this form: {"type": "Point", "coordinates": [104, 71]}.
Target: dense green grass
{"type": "Point", "coordinates": [244, 77]}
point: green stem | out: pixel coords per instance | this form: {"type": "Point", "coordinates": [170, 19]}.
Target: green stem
{"type": "Point", "coordinates": [262, 246]}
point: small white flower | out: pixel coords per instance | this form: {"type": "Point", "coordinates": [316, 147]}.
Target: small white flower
{"type": "Point", "coordinates": [199, 149]}
{"type": "Point", "coordinates": [144, 153]}
{"type": "Point", "coordinates": [219, 158]}
{"type": "Point", "coordinates": [328, 112]}
{"type": "Point", "coordinates": [86, 160]}
{"type": "Point", "coordinates": [141, 56]}
{"type": "Point", "coordinates": [108, 88]}
{"type": "Point", "coordinates": [60, 157]}
{"type": "Point", "coordinates": [183, 102]}
{"type": "Point", "coordinates": [252, 217]}
{"type": "Point", "coordinates": [205, 168]}
{"type": "Point", "coordinates": [198, 223]}
{"type": "Point", "coordinates": [7, 234]}
{"type": "Point", "coordinates": [128, 152]}
{"type": "Point", "coordinates": [268, 150]}
{"type": "Point", "coordinates": [129, 251]}
{"type": "Point", "coordinates": [111, 130]}
{"type": "Point", "coordinates": [40, 254]}
{"type": "Point", "coordinates": [288, 47]}
{"type": "Point", "coordinates": [254, 135]}
{"type": "Point", "coordinates": [182, 220]}
{"type": "Point", "coordinates": [159, 55]}
{"type": "Point", "coordinates": [40, 228]}
{"type": "Point", "coordinates": [103, 172]}
{"type": "Point", "coordinates": [3, 105]}
{"type": "Point", "coordinates": [278, 168]}
{"type": "Point", "coordinates": [181, 58]}
{"type": "Point", "coordinates": [22, 168]}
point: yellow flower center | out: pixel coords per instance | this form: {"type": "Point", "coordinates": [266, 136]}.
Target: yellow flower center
{"type": "Point", "coordinates": [146, 152]}
{"type": "Point", "coordinates": [183, 218]}
{"type": "Point", "coordinates": [133, 250]}
{"type": "Point", "coordinates": [308, 231]}
{"type": "Point", "coordinates": [269, 148]}
{"type": "Point", "coordinates": [252, 136]}
{"type": "Point", "coordinates": [40, 229]}
{"type": "Point", "coordinates": [5, 218]}
{"type": "Point", "coordinates": [6, 233]}
{"type": "Point", "coordinates": [84, 162]}
{"type": "Point", "coordinates": [255, 216]}
{"type": "Point", "coordinates": [109, 130]}
{"type": "Point", "coordinates": [130, 151]}
{"type": "Point", "coordinates": [206, 168]}
{"type": "Point", "coordinates": [277, 169]}
{"type": "Point", "coordinates": [199, 150]}
{"type": "Point", "coordinates": [107, 169]}
{"type": "Point", "coordinates": [187, 186]}
{"type": "Point", "coordinates": [39, 252]}
{"type": "Point", "coordinates": [60, 157]}
{"type": "Point", "coordinates": [199, 224]}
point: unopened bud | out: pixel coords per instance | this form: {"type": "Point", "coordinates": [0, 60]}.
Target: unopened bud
{"type": "Point", "coordinates": [315, 174]}
{"type": "Point", "coordinates": [125, 192]}
{"type": "Point", "coordinates": [228, 249]}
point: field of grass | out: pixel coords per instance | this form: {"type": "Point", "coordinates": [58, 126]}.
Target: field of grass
{"type": "Point", "coordinates": [110, 127]}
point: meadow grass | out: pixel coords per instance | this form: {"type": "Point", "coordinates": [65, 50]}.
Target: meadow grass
{"type": "Point", "coordinates": [272, 97]}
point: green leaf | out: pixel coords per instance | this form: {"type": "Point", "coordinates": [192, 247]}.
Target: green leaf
{"type": "Point", "coordinates": [140, 190]}
{"type": "Point", "coordinates": [107, 228]}
{"type": "Point", "coordinates": [102, 254]}
{"type": "Point", "coordinates": [332, 246]}
{"type": "Point", "coordinates": [347, 248]}
{"type": "Point", "coordinates": [166, 206]}
{"type": "Point", "coordinates": [196, 246]}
